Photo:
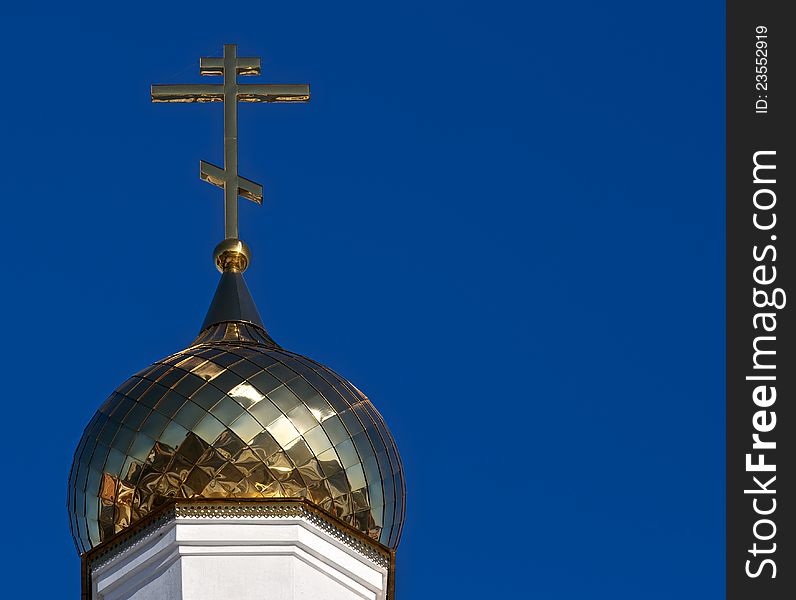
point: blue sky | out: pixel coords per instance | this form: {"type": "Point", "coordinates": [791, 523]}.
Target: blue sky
{"type": "Point", "coordinates": [502, 221]}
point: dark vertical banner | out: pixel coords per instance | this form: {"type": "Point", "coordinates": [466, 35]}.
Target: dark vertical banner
{"type": "Point", "coordinates": [761, 271]}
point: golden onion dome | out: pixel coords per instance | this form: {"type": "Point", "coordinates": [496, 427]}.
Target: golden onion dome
{"type": "Point", "coordinates": [234, 415]}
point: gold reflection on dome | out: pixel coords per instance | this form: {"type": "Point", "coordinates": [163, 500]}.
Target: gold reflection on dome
{"type": "Point", "coordinates": [246, 391]}
{"type": "Point", "coordinates": [235, 418]}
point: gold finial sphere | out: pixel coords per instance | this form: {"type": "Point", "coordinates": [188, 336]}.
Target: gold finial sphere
{"type": "Point", "coordinates": [232, 255]}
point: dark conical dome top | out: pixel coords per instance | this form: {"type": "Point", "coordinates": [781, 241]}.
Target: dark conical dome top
{"type": "Point", "coordinates": [234, 415]}
{"type": "Point", "coordinates": [232, 302]}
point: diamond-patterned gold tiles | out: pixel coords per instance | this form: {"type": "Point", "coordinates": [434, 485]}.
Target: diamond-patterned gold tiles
{"type": "Point", "coordinates": [235, 417]}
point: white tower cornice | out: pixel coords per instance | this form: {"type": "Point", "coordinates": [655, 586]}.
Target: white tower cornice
{"type": "Point", "coordinates": [206, 549]}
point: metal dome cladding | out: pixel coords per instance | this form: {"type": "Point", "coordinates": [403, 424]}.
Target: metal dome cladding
{"type": "Point", "coordinates": [235, 416]}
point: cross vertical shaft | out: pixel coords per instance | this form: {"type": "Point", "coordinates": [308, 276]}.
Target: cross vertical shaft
{"type": "Point", "coordinates": [231, 141]}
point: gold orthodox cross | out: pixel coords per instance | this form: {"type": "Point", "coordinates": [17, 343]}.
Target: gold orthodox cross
{"type": "Point", "coordinates": [230, 93]}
